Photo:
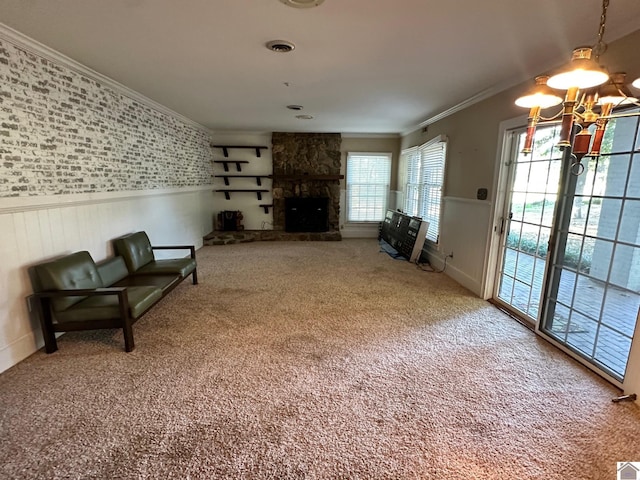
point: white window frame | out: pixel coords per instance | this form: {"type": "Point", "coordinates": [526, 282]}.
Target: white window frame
{"type": "Point", "coordinates": [424, 170]}
{"type": "Point", "coordinates": [382, 203]}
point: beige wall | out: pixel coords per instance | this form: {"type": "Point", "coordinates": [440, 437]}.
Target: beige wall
{"type": "Point", "coordinates": [473, 132]}
{"type": "Point", "coordinates": [474, 136]}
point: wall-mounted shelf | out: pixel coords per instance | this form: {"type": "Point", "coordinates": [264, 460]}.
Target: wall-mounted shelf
{"type": "Point", "coordinates": [225, 164]}
{"type": "Point", "coordinates": [266, 207]}
{"type": "Point", "coordinates": [257, 177]}
{"type": "Point", "coordinates": [225, 148]}
{"type": "Point", "coordinates": [227, 192]}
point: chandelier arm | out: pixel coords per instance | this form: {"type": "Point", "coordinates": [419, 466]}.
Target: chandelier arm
{"type": "Point", "coordinates": [633, 100]}
{"type": "Point", "coordinates": [550, 119]}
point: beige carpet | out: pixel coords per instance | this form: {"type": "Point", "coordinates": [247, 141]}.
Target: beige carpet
{"type": "Point", "coordinates": [317, 361]}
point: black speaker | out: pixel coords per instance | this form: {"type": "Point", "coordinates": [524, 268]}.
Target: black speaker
{"type": "Point", "coordinates": [229, 220]}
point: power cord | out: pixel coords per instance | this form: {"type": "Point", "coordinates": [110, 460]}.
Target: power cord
{"type": "Point", "coordinates": [420, 266]}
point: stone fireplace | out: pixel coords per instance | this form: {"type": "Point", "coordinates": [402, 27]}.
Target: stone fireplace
{"type": "Point", "coordinates": [306, 165]}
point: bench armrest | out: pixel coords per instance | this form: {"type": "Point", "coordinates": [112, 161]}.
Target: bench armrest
{"type": "Point", "coordinates": [82, 292]}
{"type": "Point", "coordinates": [191, 248]}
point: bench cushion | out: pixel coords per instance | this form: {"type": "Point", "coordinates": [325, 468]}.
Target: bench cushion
{"type": "Point", "coordinates": [105, 307]}
{"type": "Point", "coordinates": [164, 282]}
{"type": "Point", "coordinates": [178, 266]}
{"type": "Point", "coordinates": [112, 270]}
{"type": "Point", "coordinates": [75, 271]}
{"type": "Point", "coordinates": [136, 250]}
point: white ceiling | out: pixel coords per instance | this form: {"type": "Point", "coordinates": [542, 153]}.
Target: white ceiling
{"type": "Point", "coordinates": [360, 66]}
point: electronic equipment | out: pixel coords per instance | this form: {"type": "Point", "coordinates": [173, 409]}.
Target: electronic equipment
{"type": "Point", "coordinates": [404, 233]}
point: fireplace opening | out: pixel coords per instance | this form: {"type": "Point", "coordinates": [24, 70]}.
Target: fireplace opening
{"type": "Point", "coordinates": [306, 214]}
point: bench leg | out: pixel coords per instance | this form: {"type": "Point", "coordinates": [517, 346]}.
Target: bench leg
{"type": "Point", "coordinates": [46, 323]}
{"type": "Point", "coordinates": [127, 330]}
{"type": "Point", "coordinates": [194, 276]}
{"type": "Point", "coordinates": [127, 323]}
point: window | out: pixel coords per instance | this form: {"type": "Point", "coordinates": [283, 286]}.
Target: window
{"type": "Point", "coordinates": [368, 177]}
{"type": "Point", "coordinates": [424, 181]}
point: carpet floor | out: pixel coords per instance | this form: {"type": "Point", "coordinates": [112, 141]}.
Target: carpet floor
{"type": "Point", "coordinates": [312, 360]}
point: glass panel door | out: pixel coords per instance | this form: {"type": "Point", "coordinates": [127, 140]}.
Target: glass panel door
{"type": "Point", "coordinates": [594, 283]}
{"type": "Point", "coordinates": [531, 193]}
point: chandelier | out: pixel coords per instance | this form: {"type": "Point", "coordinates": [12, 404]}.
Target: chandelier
{"type": "Point", "coordinates": [590, 99]}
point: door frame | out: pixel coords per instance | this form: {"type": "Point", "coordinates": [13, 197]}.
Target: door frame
{"type": "Point", "coordinates": [506, 133]}
{"type": "Point", "coordinates": [506, 136]}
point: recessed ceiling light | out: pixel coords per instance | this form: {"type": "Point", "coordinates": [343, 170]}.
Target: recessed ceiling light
{"type": "Point", "coordinates": [304, 117]}
{"type": "Point", "coordinates": [302, 3]}
{"type": "Point", "coordinates": [295, 107]}
{"type": "Point", "coordinates": [280, 46]}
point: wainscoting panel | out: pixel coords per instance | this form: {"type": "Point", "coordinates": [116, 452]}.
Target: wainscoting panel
{"type": "Point", "coordinates": [464, 231]}
{"type": "Point", "coordinates": [47, 230]}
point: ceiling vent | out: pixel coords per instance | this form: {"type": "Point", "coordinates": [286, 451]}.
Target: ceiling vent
{"type": "Point", "coordinates": [302, 3]}
{"type": "Point", "coordinates": [280, 46]}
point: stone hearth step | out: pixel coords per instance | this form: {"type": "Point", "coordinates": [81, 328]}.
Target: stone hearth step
{"type": "Point", "coordinates": [244, 236]}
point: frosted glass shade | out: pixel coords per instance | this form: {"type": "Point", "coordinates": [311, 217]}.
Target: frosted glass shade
{"type": "Point", "coordinates": [583, 73]}
{"type": "Point", "coordinates": [539, 96]}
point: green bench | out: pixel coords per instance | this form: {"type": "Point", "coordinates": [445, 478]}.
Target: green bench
{"type": "Point", "coordinates": [74, 293]}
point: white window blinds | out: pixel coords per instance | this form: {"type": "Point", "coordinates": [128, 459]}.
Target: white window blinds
{"type": "Point", "coordinates": [425, 178]}
{"type": "Point", "coordinates": [368, 177]}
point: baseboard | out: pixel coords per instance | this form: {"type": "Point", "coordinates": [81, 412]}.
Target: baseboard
{"type": "Point", "coordinates": [465, 280]}
{"type": "Point", "coordinates": [20, 349]}
{"type": "Point", "coordinates": [360, 230]}
{"type": "Point", "coordinates": [470, 283]}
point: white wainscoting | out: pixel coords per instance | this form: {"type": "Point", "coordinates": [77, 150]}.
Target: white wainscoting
{"type": "Point", "coordinates": [464, 231]}
{"type": "Point", "coordinates": [39, 228]}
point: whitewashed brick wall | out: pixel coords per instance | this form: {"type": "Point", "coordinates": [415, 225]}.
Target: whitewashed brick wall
{"type": "Point", "coordinates": [62, 132]}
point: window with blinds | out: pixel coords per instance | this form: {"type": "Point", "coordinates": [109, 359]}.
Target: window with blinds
{"type": "Point", "coordinates": [424, 181]}
{"type": "Point", "coordinates": [368, 176]}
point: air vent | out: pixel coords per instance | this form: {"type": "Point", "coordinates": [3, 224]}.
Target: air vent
{"type": "Point", "coordinates": [302, 3]}
{"type": "Point", "coordinates": [304, 117]}
{"type": "Point", "coordinates": [295, 107]}
{"type": "Point", "coordinates": [280, 46]}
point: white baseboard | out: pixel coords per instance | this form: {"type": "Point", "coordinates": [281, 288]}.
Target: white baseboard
{"type": "Point", "coordinates": [455, 273]}
{"type": "Point", "coordinates": [360, 230]}
{"type": "Point", "coordinates": [20, 349]}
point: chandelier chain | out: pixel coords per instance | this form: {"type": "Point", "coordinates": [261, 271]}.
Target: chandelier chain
{"type": "Point", "coordinates": [601, 46]}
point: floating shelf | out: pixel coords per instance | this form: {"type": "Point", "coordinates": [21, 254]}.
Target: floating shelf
{"type": "Point", "coordinates": [228, 191]}
{"type": "Point", "coordinates": [225, 148]}
{"type": "Point", "coordinates": [257, 177]}
{"type": "Point", "coordinates": [266, 207]}
{"type": "Point", "coordinates": [226, 163]}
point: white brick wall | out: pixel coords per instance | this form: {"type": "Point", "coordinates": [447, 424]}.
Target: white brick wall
{"type": "Point", "coordinates": [64, 132]}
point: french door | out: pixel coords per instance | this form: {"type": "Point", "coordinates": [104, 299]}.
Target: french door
{"type": "Point", "coordinates": [592, 293]}
{"type": "Point", "coordinates": [526, 221]}
{"type": "Point", "coordinates": [570, 248]}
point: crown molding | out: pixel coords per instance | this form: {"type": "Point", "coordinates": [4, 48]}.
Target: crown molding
{"type": "Point", "coordinates": [34, 47]}
{"type": "Point", "coordinates": [477, 98]}
{"type": "Point", "coordinates": [370, 135]}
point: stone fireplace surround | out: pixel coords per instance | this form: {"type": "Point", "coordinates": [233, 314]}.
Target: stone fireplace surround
{"type": "Point", "coordinates": [305, 165]}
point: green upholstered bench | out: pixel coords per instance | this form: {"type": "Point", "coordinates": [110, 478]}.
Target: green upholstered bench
{"type": "Point", "coordinates": [137, 251]}
{"type": "Point", "coordinates": [73, 293]}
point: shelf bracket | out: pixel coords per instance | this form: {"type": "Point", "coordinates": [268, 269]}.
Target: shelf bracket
{"type": "Point", "coordinates": [266, 207]}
